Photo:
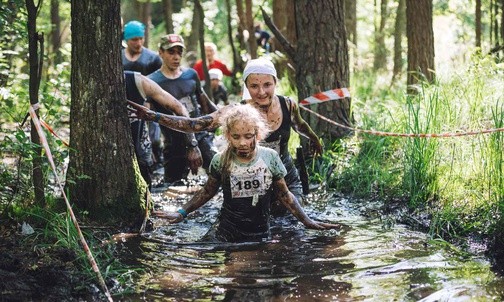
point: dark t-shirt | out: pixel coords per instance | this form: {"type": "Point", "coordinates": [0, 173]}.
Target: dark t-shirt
{"type": "Point", "coordinates": [147, 63]}
{"type": "Point", "coordinates": [186, 88]}
{"type": "Point", "coordinates": [220, 94]}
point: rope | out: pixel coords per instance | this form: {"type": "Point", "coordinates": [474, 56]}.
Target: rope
{"type": "Point", "coordinates": [91, 259]}
{"type": "Point", "coordinates": [383, 133]}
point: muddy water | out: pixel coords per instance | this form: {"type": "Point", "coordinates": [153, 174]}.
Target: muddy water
{"type": "Point", "coordinates": [369, 260]}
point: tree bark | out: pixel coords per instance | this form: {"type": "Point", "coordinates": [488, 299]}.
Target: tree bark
{"type": "Point", "coordinates": [322, 62]}
{"type": "Point", "coordinates": [284, 18]}
{"type": "Point", "coordinates": [321, 59]}
{"type": "Point", "coordinates": [477, 14]}
{"type": "Point", "coordinates": [351, 26]}
{"type": "Point", "coordinates": [192, 41]}
{"type": "Point", "coordinates": [35, 60]}
{"type": "Point", "coordinates": [103, 175]}
{"type": "Point", "coordinates": [420, 42]}
{"type": "Point", "coordinates": [167, 13]}
{"type": "Point", "coordinates": [249, 21]}
{"type": "Point", "coordinates": [55, 31]}
{"type": "Point", "coordinates": [400, 28]}
{"type": "Point", "coordinates": [145, 16]}
{"type": "Point", "coordinates": [241, 26]}
{"type": "Point", "coordinates": [8, 38]}
{"type": "Point", "coordinates": [380, 50]}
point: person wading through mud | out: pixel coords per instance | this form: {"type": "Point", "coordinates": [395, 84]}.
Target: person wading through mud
{"type": "Point", "coordinates": [281, 114]}
{"type": "Point", "coordinates": [138, 88]}
{"type": "Point", "coordinates": [251, 177]}
{"type": "Point", "coordinates": [183, 84]}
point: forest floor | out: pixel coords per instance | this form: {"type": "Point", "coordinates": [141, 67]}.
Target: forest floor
{"type": "Point", "coordinates": [29, 272]}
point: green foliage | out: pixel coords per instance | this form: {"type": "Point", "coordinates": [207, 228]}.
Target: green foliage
{"type": "Point", "coordinates": [420, 153]}
{"type": "Point", "coordinates": [458, 181]}
{"type": "Point", "coordinates": [55, 230]}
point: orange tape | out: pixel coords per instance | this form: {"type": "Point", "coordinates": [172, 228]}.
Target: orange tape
{"type": "Point", "coordinates": [53, 133]}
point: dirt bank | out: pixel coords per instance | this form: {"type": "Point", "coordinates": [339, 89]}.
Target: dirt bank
{"type": "Point", "coordinates": [30, 272]}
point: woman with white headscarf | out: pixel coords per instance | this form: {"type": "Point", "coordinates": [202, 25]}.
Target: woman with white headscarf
{"type": "Point", "coordinates": [281, 113]}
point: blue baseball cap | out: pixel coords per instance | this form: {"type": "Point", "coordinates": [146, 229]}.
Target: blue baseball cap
{"type": "Point", "coordinates": [133, 29]}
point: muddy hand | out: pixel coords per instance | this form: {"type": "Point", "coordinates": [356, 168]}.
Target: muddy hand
{"type": "Point", "coordinates": [316, 147]}
{"type": "Point", "coordinates": [194, 159]}
{"type": "Point", "coordinates": [322, 225]}
{"type": "Point", "coordinates": [172, 217]}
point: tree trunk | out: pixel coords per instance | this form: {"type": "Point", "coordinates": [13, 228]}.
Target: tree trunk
{"type": "Point", "coordinates": [237, 61]}
{"type": "Point", "coordinates": [192, 40]}
{"type": "Point", "coordinates": [496, 23]}
{"type": "Point", "coordinates": [478, 22]}
{"type": "Point", "coordinates": [55, 31]}
{"type": "Point", "coordinates": [249, 21]}
{"type": "Point", "coordinates": [501, 38]}
{"type": "Point", "coordinates": [351, 26]}
{"type": "Point", "coordinates": [103, 176]}
{"type": "Point", "coordinates": [380, 50]}
{"type": "Point", "coordinates": [8, 39]}
{"type": "Point", "coordinates": [145, 16]}
{"type": "Point", "coordinates": [201, 39]}
{"type": "Point", "coordinates": [284, 18]}
{"type": "Point", "coordinates": [420, 42]}
{"type": "Point", "coordinates": [322, 62]}
{"type": "Point", "coordinates": [400, 27]}
{"type": "Point", "coordinates": [167, 13]}
{"type": "Point", "coordinates": [35, 71]}
{"type": "Point", "coordinates": [241, 26]}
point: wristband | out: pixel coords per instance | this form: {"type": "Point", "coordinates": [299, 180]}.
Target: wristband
{"type": "Point", "coordinates": [183, 212]}
{"type": "Point", "coordinates": [157, 117]}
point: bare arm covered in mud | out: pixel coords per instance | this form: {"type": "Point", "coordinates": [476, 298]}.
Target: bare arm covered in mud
{"type": "Point", "coordinates": [199, 199]}
{"type": "Point", "coordinates": [289, 200]}
{"type": "Point", "coordinates": [179, 123]}
{"type": "Point", "coordinates": [302, 127]}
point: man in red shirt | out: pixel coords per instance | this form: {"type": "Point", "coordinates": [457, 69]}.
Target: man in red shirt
{"type": "Point", "coordinates": [212, 62]}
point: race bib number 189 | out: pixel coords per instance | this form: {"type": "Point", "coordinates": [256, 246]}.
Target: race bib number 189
{"type": "Point", "coordinates": [247, 185]}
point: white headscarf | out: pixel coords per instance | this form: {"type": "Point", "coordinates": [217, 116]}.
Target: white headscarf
{"type": "Point", "coordinates": [261, 66]}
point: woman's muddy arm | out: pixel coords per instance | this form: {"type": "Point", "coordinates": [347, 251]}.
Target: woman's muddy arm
{"type": "Point", "coordinates": [290, 201]}
{"type": "Point", "coordinates": [302, 127]}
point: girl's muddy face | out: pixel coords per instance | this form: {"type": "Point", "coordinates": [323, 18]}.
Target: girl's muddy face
{"type": "Point", "coordinates": [243, 140]}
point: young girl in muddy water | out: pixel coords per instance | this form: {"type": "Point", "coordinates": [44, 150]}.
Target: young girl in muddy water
{"type": "Point", "coordinates": [251, 176]}
{"type": "Point", "coordinates": [280, 112]}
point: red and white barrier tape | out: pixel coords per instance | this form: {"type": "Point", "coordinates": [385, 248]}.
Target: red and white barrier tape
{"type": "Point", "coordinates": [329, 95]}
{"type": "Point", "coordinates": [382, 133]}
{"type": "Point", "coordinates": [54, 133]}
{"type": "Point", "coordinates": [85, 246]}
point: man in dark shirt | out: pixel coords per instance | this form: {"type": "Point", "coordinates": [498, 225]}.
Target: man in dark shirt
{"type": "Point", "coordinates": [183, 84]}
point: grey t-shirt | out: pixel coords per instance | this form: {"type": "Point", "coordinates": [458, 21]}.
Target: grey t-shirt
{"type": "Point", "coordinates": [248, 192]}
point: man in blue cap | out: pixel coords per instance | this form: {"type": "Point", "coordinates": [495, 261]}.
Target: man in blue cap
{"type": "Point", "coordinates": [135, 56]}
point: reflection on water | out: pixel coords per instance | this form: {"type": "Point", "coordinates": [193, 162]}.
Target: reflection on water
{"type": "Point", "coordinates": [362, 262]}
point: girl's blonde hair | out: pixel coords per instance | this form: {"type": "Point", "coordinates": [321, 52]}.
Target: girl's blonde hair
{"type": "Point", "coordinates": [244, 113]}
{"type": "Point", "coordinates": [241, 113]}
